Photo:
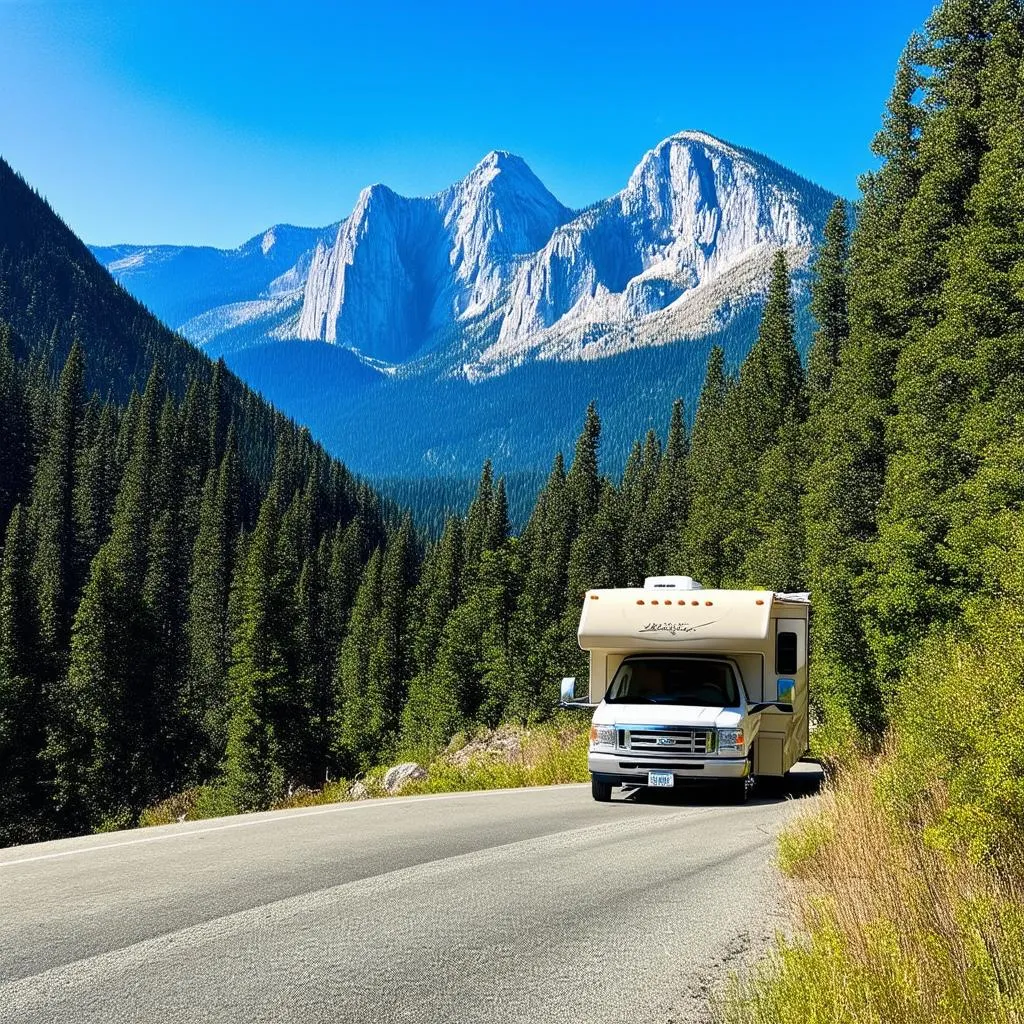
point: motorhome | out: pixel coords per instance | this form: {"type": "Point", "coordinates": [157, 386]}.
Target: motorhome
{"type": "Point", "coordinates": [693, 685]}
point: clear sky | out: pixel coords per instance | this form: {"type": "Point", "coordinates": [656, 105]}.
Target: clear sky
{"type": "Point", "coordinates": [205, 122]}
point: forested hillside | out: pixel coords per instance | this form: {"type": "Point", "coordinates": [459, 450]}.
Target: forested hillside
{"type": "Point", "coordinates": [133, 472]}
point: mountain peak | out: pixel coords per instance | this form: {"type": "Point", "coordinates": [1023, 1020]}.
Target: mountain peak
{"type": "Point", "coordinates": [503, 169]}
{"type": "Point", "coordinates": [501, 159]}
{"type": "Point", "coordinates": [695, 135]}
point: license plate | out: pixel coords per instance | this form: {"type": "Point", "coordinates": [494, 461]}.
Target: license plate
{"type": "Point", "coordinates": [660, 779]}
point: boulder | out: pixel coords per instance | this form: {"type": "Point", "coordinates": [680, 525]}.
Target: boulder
{"type": "Point", "coordinates": [402, 774]}
{"type": "Point", "coordinates": [358, 791]}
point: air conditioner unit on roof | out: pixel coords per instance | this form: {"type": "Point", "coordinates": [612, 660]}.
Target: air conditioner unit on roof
{"type": "Point", "coordinates": [671, 583]}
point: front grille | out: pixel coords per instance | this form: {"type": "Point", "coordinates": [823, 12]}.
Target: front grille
{"type": "Point", "coordinates": [672, 741]}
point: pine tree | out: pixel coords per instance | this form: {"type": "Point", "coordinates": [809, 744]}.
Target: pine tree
{"type": "Point", "coordinates": [352, 703]}
{"type": "Point", "coordinates": [97, 481]}
{"type": "Point", "coordinates": [670, 501]}
{"type": "Point", "coordinates": [776, 558]}
{"type": "Point", "coordinates": [845, 478]}
{"type": "Point", "coordinates": [584, 478]}
{"type": "Point", "coordinates": [707, 470]}
{"type": "Point", "coordinates": [643, 525]}
{"type": "Point", "coordinates": [99, 740]}
{"type": "Point", "coordinates": [52, 517]}
{"type": "Point", "coordinates": [428, 713]}
{"type": "Point", "coordinates": [479, 516]}
{"type": "Point", "coordinates": [983, 308]}
{"type": "Point", "coordinates": [254, 776]}
{"type": "Point", "coordinates": [204, 695]}
{"type": "Point", "coordinates": [770, 387]}
{"type": "Point", "coordinates": [24, 798]}
{"type": "Point", "coordinates": [15, 430]}
{"type": "Point", "coordinates": [829, 304]}
{"type": "Point", "coordinates": [165, 597]}
{"type": "Point", "coordinates": [912, 587]}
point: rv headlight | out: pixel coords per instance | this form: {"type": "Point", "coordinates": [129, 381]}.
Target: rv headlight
{"type": "Point", "coordinates": [730, 739]}
{"type": "Point", "coordinates": [602, 735]}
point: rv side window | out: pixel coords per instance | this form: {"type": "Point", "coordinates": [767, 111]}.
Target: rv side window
{"type": "Point", "coordinates": [785, 654]}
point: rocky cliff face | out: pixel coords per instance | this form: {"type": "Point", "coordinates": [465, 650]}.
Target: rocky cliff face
{"type": "Point", "coordinates": [402, 271]}
{"type": "Point", "coordinates": [495, 271]}
{"type": "Point", "coordinates": [691, 233]}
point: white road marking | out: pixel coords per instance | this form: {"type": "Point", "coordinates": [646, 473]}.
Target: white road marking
{"type": "Point", "coordinates": [352, 805]}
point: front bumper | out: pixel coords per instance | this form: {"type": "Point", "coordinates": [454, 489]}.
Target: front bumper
{"type": "Point", "coordinates": [630, 768]}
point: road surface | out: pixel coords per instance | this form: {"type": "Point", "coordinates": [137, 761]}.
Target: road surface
{"type": "Point", "coordinates": [523, 905]}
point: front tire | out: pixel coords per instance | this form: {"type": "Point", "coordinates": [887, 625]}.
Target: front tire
{"type": "Point", "coordinates": [737, 790]}
{"type": "Point", "coordinates": [601, 791]}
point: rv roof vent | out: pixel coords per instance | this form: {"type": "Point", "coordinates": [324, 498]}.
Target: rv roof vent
{"type": "Point", "coordinates": [671, 583]}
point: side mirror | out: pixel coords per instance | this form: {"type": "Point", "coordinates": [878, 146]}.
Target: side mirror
{"type": "Point", "coordinates": [568, 689]}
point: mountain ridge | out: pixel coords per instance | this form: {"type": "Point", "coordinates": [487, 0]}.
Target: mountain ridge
{"type": "Point", "coordinates": [401, 276]}
{"type": "Point", "coordinates": [493, 279]}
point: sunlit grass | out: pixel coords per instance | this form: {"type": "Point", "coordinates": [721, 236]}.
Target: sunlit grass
{"type": "Point", "coordinates": [891, 929]}
{"type": "Point", "coordinates": [544, 755]}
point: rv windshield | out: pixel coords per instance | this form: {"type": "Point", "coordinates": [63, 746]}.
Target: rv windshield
{"type": "Point", "coordinates": [698, 682]}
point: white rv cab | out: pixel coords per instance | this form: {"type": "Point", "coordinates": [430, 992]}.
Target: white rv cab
{"type": "Point", "coordinates": [693, 685]}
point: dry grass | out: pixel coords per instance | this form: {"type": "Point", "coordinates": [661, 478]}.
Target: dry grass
{"type": "Point", "coordinates": [545, 755]}
{"type": "Point", "coordinates": [893, 929]}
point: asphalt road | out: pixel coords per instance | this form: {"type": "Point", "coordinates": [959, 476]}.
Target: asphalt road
{"type": "Point", "coordinates": [523, 905]}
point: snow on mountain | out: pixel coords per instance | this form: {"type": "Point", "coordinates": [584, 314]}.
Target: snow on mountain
{"type": "Point", "coordinates": [495, 271]}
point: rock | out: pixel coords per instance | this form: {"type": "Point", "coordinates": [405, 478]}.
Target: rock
{"type": "Point", "coordinates": [358, 791]}
{"type": "Point", "coordinates": [397, 777]}
{"type": "Point", "coordinates": [504, 745]}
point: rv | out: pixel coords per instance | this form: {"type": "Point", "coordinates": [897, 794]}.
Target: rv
{"type": "Point", "coordinates": [693, 685]}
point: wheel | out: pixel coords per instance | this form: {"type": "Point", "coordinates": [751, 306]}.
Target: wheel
{"type": "Point", "coordinates": [737, 790]}
{"type": "Point", "coordinates": [602, 791]}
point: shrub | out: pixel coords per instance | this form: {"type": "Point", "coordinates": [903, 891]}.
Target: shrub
{"type": "Point", "coordinates": [894, 930]}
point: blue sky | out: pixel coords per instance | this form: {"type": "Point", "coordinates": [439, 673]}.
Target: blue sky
{"type": "Point", "coordinates": [207, 122]}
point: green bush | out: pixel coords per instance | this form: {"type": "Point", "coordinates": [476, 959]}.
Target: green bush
{"type": "Point", "coordinates": [958, 724]}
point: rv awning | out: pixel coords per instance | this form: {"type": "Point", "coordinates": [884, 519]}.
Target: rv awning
{"type": "Point", "coordinates": [640, 619]}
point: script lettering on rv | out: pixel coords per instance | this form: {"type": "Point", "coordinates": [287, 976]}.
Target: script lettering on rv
{"type": "Point", "coordinates": [672, 628]}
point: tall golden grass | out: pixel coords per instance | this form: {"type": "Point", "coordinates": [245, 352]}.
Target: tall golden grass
{"type": "Point", "coordinates": [890, 928]}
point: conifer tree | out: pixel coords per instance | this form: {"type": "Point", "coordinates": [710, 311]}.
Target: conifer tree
{"type": "Point", "coordinates": [845, 478]}
{"type": "Point", "coordinates": [479, 516]}
{"type": "Point", "coordinates": [352, 702]}
{"type": "Point", "coordinates": [829, 304]}
{"type": "Point", "coordinates": [776, 557]}
{"type": "Point", "coordinates": [912, 586]}
{"type": "Point", "coordinates": [97, 480]}
{"type": "Point", "coordinates": [204, 695]}
{"type": "Point", "coordinates": [15, 430]}
{"type": "Point", "coordinates": [254, 775]}
{"type": "Point", "coordinates": [708, 467]}
{"type": "Point", "coordinates": [24, 799]}
{"type": "Point", "coordinates": [584, 478]}
{"type": "Point", "coordinates": [670, 501]}
{"type": "Point", "coordinates": [983, 308]}
{"type": "Point", "coordinates": [52, 516]}
{"type": "Point", "coordinates": [643, 525]}
{"type": "Point", "coordinates": [428, 713]}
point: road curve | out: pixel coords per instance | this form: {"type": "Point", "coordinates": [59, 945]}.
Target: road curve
{"type": "Point", "coordinates": [519, 905]}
